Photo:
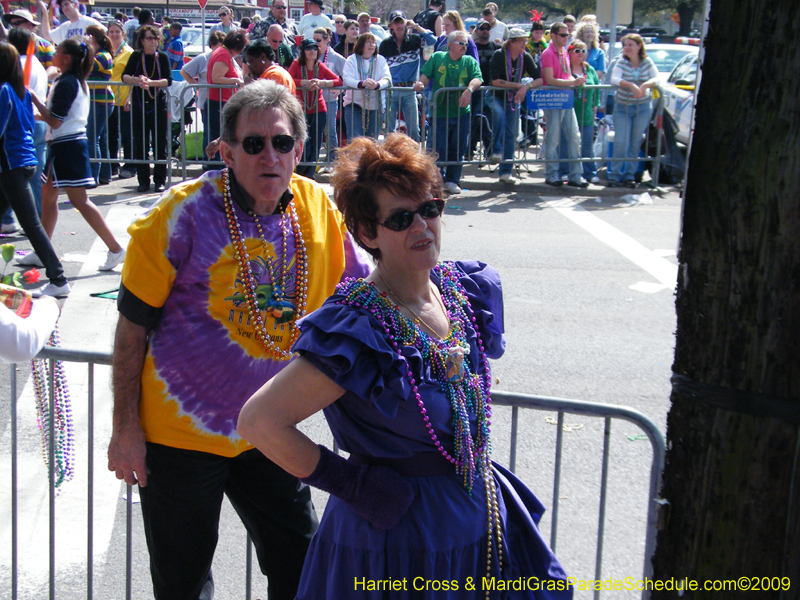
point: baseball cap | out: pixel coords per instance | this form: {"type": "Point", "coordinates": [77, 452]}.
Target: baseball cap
{"type": "Point", "coordinates": [363, 14]}
{"type": "Point", "coordinates": [22, 14]}
{"type": "Point", "coordinates": [397, 14]}
{"type": "Point", "coordinates": [516, 32]}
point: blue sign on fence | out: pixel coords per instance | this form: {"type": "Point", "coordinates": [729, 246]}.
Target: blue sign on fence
{"type": "Point", "coordinates": [550, 99]}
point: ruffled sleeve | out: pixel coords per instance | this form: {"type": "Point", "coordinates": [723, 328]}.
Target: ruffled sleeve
{"type": "Point", "coordinates": [350, 346]}
{"type": "Point", "coordinates": [482, 285]}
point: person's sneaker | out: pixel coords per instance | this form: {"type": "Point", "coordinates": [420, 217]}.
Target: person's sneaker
{"type": "Point", "coordinates": [126, 173]}
{"type": "Point", "coordinates": [554, 181]}
{"type": "Point", "coordinates": [9, 228]}
{"type": "Point", "coordinates": [143, 187]}
{"type": "Point", "coordinates": [581, 183]}
{"type": "Point", "coordinates": [612, 183]}
{"type": "Point", "coordinates": [630, 183]}
{"type": "Point", "coordinates": [595, 180]}
{"type": "Point", "coordinates": [565, 178]}
{"type": "Point", "coordinates": [30, 260]}
{"type": "Point", "coordinates": [57, 291]}
{"type": "Point", "coordinates": [452, 188]}
{"type": "Point", "coordinates": [509, 179]}
{"type": "Point", "coordinates": [112, 260]}
{"type": "Point", "coordinates": [159, 187]}
{"type": "Point", "coordinates": [495, 159]}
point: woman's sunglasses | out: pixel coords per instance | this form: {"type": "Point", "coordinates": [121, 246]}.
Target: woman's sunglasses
{"type": "Point", "coordinates": [402, 219]}
{"type": "Point", "coordinates": [255, 144]}
{"type": "Point", "coordinates": [578, 51]}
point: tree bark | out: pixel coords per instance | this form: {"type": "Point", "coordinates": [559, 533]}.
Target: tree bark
{"type": "Point", "coordinates": [732, 479]}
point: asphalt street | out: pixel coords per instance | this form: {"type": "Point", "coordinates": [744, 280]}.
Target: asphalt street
{"type": "Point", "coordinates": [589, 314]}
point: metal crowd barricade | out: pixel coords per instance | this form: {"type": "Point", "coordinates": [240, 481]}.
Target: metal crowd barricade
{"type": "Point", "coordinates": [505, 399]}
{"type": "Point", "coordinates": [483, 127]}
{"type": "Point", "coordinates": [129, 137]}
{"type": "Point", "coordinates": [185, 141]}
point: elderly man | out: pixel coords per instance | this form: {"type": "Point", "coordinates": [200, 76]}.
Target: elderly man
{"type": "Point", "coordinates": [451, 112]}
{"type": "Point", "coordinates": [75, 24]}
{"type": "Point", "coordinates": [217, 274]}
{"type": "Point", "coordinates": [364, 22]}
{"type": "Point", "coordinates": [556, 72]}
{"type": "Point", "coordinates": [283, 53]}
{"type": "Point", "coordinates": [515, 71]}
{"type": "Point", "coordinates": [403, 53]}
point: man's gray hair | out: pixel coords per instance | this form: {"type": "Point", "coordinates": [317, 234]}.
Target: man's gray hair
{"type": "Point", "coordinates": [262, 95]}
{"type": "Point", "coordinates": [454, 35]}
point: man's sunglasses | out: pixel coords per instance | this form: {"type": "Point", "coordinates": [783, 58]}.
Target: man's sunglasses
{"type": "Point", "coordinates": [562, 34]}
{"type": "Point", "coordinates": [255, 144]}
{"type": "Point", "coordinates": [460, 42]}
{"type": "Point", "coordinates": [401, 220]}
{"type": "Point", "coordinates": [484, 28]}
{"type": "Point", "coordinates": [279, 7]}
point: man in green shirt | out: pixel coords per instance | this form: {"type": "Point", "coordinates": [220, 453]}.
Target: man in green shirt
{"type": "Point", "coordinates": [451, 115]}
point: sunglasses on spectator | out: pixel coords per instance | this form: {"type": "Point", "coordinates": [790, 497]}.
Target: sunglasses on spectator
{"type": "Point", "coordinates": [17, 23]}
{"type": "Point", "coordinates": [402, 219]}
{"type": "Point", "coordinates": [339, 22]}
{"type": "Point", "coordinates": [578, 51]}
{"type": "Point", "coordinates": [484, 28]}
{"type": "Point", "coordinates": [279, 7]}
{"type": "Point", "coordinates": [460, 42]}
{"type": "Point", "coordinates": [150, 38]}
{"type": "Point", "coordinates": [562, 34]}
{"type": "Point", "coordinates": [255, 144]}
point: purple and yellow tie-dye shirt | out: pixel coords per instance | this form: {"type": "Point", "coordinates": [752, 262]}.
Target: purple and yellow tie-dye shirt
{"type": "Point", "coordinates": [203, 360]}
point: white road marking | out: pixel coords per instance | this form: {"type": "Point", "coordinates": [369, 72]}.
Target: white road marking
{"type": "Point", "coordinates": [665, 272]}
{"type": "Point", "coordinates": [71, 529]}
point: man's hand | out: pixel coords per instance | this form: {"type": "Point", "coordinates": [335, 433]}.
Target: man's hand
{"type": "Point", "coordinates": [126, 455]}
{"type": "Point", "coordinates": [465, 99]}
{"type": "Point", "coordinates": [419, 86]}
{"type": "Point", "coordinates": [519, 96]}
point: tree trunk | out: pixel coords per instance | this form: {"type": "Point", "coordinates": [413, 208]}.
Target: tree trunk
{"type": "Point", "coordinates": [731, 477]}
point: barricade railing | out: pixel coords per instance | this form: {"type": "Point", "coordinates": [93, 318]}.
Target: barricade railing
{"type": "Point", "coordinates": [505, 399]}
{"type": "Point", "coordinates": [484, 142]}
{"type": "Point", "coordinates": [189, 123]}
{"type": "Point", "coordinates": [145, 127]}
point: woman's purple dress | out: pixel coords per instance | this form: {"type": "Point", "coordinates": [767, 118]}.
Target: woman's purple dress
{"type": "Point", "coordinates": [441, 541]}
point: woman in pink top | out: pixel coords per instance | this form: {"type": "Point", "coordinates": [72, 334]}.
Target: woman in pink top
{"type": "Point", "coordinates": [223, 70]}
{"type": "Point", "coordinates": [311, 76]}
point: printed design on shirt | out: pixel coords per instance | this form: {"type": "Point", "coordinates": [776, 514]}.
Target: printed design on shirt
{"type": "Point", "coordinates": [269, 293]}
{"type": "Point", "coordinates": [411, 57]}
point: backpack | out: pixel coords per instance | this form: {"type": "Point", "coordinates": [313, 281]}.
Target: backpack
{"type": "Point", "coordinates": [427, 18]}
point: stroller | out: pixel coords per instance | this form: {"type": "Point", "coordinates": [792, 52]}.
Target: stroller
{"type": "Point", "coordinates": [179, 100]}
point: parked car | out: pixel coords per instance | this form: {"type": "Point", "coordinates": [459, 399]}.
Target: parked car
{"type": "Point", "coordinates": [679, 93]}
{"type": "Point", "coordinates": [666, 56]}
{"type": "Point", "coordinates": [193, 38]}
{"type": "Point", "coordinates": [379, 32]}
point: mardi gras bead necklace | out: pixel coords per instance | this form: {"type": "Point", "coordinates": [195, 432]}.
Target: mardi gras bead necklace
{"type": "Point", "coordinates": [366, 94]}
{"type": "Point", "coordinates": [279, 280]}
{"type": "Point", "coordinates": [417, 317]}
{"type": "Point", "coordinates": [514, 75]}
{"type": "Point", "coordinates": [468, 393]}
{"type": "Point", "coordinates": [314, 93]}
{"type": "Point", "coordinates": [154, 72]}
{"type": "Point", "coordinates": [63, 432]}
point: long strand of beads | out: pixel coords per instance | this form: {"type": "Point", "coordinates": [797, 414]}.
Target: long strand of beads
{"type": "Point", "coordinates": [245, 274]}
{"type": "Point", "coordinates": [63, 431]}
